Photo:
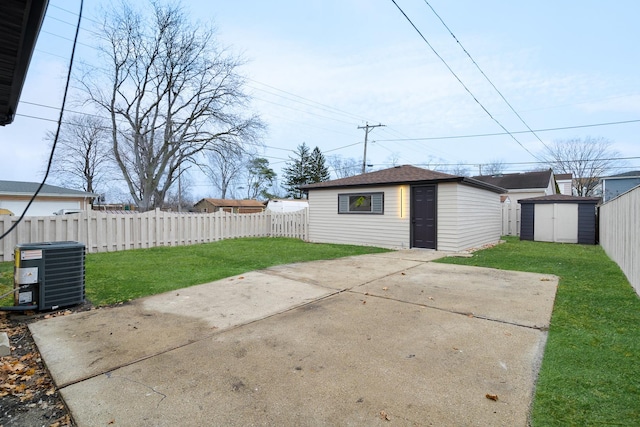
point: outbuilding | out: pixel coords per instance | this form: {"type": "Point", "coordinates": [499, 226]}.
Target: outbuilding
{"type": "Point", "coordinates": [51, 200]}
{"type": "Point", "coordinates": [559, 218]}
{"type": "Point", "coordinates": [405, 207]}
{"type": "Point", "coordinates": [209, 205]}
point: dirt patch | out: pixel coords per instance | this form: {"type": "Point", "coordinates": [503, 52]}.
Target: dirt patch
{"type": "Point", "coordinates": [28, 396]}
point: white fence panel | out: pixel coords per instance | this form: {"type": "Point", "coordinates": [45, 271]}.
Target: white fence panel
{"type": "Point", "coordinates": [109, 232]}
{"type": "Point", "coordinates": [620, 233]}
{"type": "Point", "coordinates": [510, 219]}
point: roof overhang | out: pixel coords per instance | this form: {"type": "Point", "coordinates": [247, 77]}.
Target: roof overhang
{"type": "Point", "coordinates": [20, 22]}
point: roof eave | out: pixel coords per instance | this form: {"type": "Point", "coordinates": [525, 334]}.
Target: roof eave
{"type": "Point", "coordinates": [28, 36]}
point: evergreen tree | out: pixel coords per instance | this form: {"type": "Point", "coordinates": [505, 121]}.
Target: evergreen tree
{"type": "Point", "coordinates": [318, 170]}
{"type": "Point", "coordinates": [305, 168]}
{"type": "Point", "coordinates": [296, 172]}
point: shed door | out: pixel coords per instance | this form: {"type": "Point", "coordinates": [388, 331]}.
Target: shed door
{"type": "Point", "coordinates": [556, 222]}
{"type": "Point", "coordinates": [423, 217]}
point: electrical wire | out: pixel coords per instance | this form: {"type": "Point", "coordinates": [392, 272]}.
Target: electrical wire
{"type": "Point", "coordinates": [461, 82]}
{"type": "Point", "coordinates": [485, 76]}
{"type": "Point", "coordinates": [57, 135]}
{"type": "Point", "coordinates": [480, 135]}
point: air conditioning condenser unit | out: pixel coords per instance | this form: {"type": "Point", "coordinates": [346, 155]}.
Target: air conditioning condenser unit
{"type": "Point", "coordinates": [49, 275]}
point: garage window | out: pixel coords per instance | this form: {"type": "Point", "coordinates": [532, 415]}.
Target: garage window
{"type": "Point", "coordinates": [361, 203]}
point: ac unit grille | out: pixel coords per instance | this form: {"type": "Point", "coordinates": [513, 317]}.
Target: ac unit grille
{"type": "Point", "coordinates": [63, 278]}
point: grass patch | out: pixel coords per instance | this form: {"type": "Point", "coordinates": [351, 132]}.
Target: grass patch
{"type": "Point", "coordinates": [590, 374]}
{"type": "Point", "coordinates": [121, 276]}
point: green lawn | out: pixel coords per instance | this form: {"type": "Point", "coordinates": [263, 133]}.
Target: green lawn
{"type": "Point", "coordinates": [121, 276]}
{"type": "Point", "coordinates": [590, 374]}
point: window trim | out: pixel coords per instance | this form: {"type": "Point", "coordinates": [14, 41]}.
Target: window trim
{"type": "Point", "coordinates": [367, 193]}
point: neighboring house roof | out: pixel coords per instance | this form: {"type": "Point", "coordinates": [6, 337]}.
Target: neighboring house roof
{"type": "Point", "coordinates": [562, 198]}
{"type": "Point", "coordinates": [20, 188]}
{"type": "Point", "coordinates": [632, 174]}
{"type": "Point", "coordinates": [20, 23]}
{"type": "Point", "coordinates": [233, 203]}
{"type": "Point", "coordinates": [405, 174]}
{"type": "Point", "coordinates": [512, 181]}
{"type": "Point", "coordinates": [563, 176]}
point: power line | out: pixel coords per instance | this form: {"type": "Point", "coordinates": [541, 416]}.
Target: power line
{"type": "Point", "coordinates": [57, 134]}
{"type": "Point", "coordinates": [461, 82]}
{"type": "Point", "coordinates": [481, 135]}
{"type": "Point", "coordinates": [485, 76]}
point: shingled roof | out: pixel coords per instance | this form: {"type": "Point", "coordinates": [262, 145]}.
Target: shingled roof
{"type": "Point", "coordinates": [554, 198]}
{"type": "Point", "coordinates": [233, 203]}
{"type": "Point", "coordinates": [512, 181]}
{"type": "Point", "coordinates": [21, 188]}
{"type": "Point", "coordinates": [405, 174]}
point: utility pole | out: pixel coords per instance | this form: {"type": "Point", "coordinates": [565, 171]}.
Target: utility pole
{"type": "Point", "coordinates": [179, 189]}
{"type": "Point", "coordinates": [366, 128]}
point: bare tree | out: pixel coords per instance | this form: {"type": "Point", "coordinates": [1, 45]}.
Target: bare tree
{"type": "Point", "coordinates": [344, 166]}
{"type": "Point", "coordinates": [224, 168]}
{"type": "Point", "coordinates": [587, 159]}
{"type": "Point", "coordinates": [82, 157]}
{"type": "Point", "coordinates": [171, 93]}
{"type": "Point", "coordinates": [459, 169]}
{"type": "Point", "coordinates": [494, 167]}
{"type": "Point", "coordinates": [180, 196]}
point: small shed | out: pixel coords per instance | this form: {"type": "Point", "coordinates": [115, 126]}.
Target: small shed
{"type": "Point", "coordinates": [559, 218]}
{"type": "Point", "coordinates": [405, 207]}
{"type": "Point", "coordinates": [209, 205]}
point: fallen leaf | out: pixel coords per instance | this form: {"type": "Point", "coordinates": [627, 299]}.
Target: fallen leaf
{"type": "Point", "coordinates": [241, 277]}
{"type": "Point", "coordinates": [470, 315]}
{"type": "Point", "coordinates": [51, 391]}
{"type": "Point", "coordinates": [112, 421]}
{"type": "Point", "coordinates": [490, 396]}
{"type": "Point", "coordinates": [403, 273]}
{"type": "Point", "coordinates": [544, 279]}
{"type": "Point", "coordinates": [384, 416]}
{"type": "Point", "coordinates": [385, 288]}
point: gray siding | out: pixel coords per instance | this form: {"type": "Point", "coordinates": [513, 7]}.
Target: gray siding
{"type": "Point", "coordinates": [391, 229]}
{"type": "Point", "coordinates": [468, 217]}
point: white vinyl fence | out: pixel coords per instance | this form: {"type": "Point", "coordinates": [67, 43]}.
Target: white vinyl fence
{"type": "Point", "coordinates": [510, 219]}
{"type": "Point", "coordinates": [620, 233]}
{"type": "Point", "coordinates": [109, 232]}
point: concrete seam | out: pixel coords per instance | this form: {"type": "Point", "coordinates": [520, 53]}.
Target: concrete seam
{"type": "Point", "coordinates": [539, 328]}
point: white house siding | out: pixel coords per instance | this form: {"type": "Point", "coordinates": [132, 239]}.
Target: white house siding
{"type": "Point", "coordinates": [468, 217]}
{"type": "Point", "coordinates": [40, 207]}
{"type": "Point", "coordinates": [390, 230]}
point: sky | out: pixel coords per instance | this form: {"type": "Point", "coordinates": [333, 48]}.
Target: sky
{"type": "Point", "coordinates": [319, 70]}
